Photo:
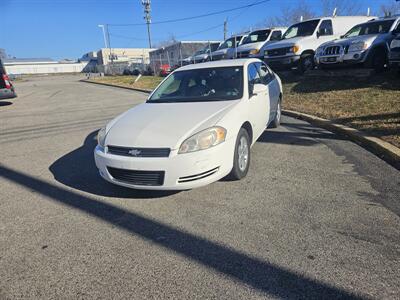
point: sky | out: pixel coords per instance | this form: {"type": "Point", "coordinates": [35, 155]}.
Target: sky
{"type": "Point", "coordinates": [69, 28]}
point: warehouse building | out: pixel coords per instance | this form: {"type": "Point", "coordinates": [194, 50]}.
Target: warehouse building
{"type": "Point", "coordinates": [116, 60]}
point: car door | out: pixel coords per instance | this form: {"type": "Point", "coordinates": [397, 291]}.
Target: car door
{"type": "Point", "coordinates": [269, 79]}
{"type": "Point", "coordinates": [258, 99]}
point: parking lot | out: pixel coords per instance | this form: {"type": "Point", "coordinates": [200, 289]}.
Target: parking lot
{"type": "Point", "coordinates": [316, 217]}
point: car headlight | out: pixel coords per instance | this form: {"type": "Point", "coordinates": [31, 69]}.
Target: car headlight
{"type": "Point", "coordinates": [254, 51]}
{"type": "Point", "coordinates": [395, 44]}
{"type": "Point", "coordinates": [360, 46]}
{"type": "Point", "coordinates": [101, 137]}
{"type": "Point", "coordinates": [294, 49]}
{"type": "Point", "coordinates": [203, 140]}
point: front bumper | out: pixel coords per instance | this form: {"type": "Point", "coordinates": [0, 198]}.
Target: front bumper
{"type": "Point", "coordinates": [182, 171]}
{"type": "Point", "coordinates": [350, 58]}
{"type": "Point", "coordinates": [282, 62]}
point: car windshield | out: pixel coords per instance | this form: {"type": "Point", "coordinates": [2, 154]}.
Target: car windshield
{"type": "Point", "coordinates": [257, 36]}
{"type": "Point", "coordinates": [370, 28]}
{"type": "Point", "coordinates": [230, 43]}
{"type": "Point", "coordinates": [306, 28]}
{"type": "Point", "coordinates": [202, 51]}
{"type": "Point", "coordinates": [197, 85]}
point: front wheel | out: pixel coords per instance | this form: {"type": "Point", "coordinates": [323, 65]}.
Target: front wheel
{"type": "Point", "coordinates": [306, 63]}
{"type": "Point", "coordinates": [378, 60]}
{"type": "Point", "coordinates": [241, 158]}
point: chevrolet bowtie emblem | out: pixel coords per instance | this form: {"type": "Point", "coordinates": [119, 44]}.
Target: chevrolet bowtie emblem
{"type": "Point", "coordinates": [134, 152]}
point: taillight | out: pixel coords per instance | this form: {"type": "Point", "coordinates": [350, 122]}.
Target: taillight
{"type": "Point", "coordinates": [7, 81]}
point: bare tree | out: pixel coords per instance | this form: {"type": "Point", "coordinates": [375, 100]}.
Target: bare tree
{"type": "Point", "coordinates": [390, 9]}
{"type": "Point", "coordinates": [169, 41]}
{"type": "Point", "coordinates": [290, 15]}
{"type": "Point", "coordinates": [344, 7]}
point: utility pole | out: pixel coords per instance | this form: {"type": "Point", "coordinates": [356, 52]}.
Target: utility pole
{"type": "Point", "coordinates": [225, 28]}
{"type": "Point", "coordinates": [147, 9]}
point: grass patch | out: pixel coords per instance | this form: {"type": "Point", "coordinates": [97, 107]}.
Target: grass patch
{"type": "Point", "coordinates": [145, 82]}
{"type": "Point", "coordinates": [370, 104]}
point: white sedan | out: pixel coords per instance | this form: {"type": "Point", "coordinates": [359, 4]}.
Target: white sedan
{"type": "Point", "coordinates": [195, 128]}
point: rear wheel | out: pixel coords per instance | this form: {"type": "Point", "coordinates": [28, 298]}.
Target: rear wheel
{"type": "Point", "coordinates": [277, 120]}
{"type": "Point", "coordinates": [241, 158]}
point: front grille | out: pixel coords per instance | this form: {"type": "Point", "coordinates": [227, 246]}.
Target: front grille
{"type": "Point", "coordinates": [147, 178]}
{"type": "Point", "coordinates": [139, 152]}
{"type": "Point", "coordinates": [278, 52]}
{"type": "Point", "coordinates": [243, 54]}
{"type": "Point", "coordinates": [332, 50]}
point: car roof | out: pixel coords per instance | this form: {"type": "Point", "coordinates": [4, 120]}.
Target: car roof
{"type": "Point", "coordinates": [220, 63]}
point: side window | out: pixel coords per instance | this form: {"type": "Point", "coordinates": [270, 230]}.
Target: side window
{"type": "Point", "coordinates": [253, 75]}
{"type": "Point", "coordinates": [265, 73]}
{"type": "Point", "coordinates": [397, 28]}
{"type": "Point", "coordinates": [276, 35]}
{"type": "Point", "coordinates": [325, 28]}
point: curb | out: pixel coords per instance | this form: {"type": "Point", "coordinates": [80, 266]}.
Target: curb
{"type": "Point", "coordinates": [117, 86]}
{"type": "Point", "coordinates": [380, 148]}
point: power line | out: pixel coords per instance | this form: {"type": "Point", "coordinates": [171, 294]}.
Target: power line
{"type": "Point", "coordinates": [198, 16]}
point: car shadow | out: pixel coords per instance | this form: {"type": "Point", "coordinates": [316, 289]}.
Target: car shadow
{"type": "Point", "coordinates": [5, 103]}
{"type": "Point", "coordinates": [77, 170]}
{"type": "Point", "coordinates": [299, 134]}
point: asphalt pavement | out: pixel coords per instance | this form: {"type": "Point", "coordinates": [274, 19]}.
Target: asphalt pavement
{"type": "Point", "coordinates": [317, 217]}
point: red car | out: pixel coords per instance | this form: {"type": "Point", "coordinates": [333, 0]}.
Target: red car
{"type": "Point", "coordinates": [165, 70]}
{"type": "Point", "coordinates": [6, 87]}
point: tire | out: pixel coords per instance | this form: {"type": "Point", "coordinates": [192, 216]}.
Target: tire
{"type": "Point", "coordinates": [306, 63]}
{"type": "Point", "coordinates": [241, 157]}
{"type": "Point", "coordinates": [379, 60]}
{"type": "Point", "coordinates": [277, 120]}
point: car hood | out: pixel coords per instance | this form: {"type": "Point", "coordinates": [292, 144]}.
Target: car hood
{"type": "Point", "coordinates": [353, 40]}
{"type": "Point", "coordinates": [288, 42]}
{"type": "Point", "coordinates": [220, 51]}
{"type": "Point", "coordinates": [201, 56]}
{"type": "Point", "coordinates": [156, 125]}
{"type": "Point", "coordinates": [250, 46]}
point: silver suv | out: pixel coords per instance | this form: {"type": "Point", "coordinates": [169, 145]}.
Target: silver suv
{"type": "Point", "coordinates": [365, 44]}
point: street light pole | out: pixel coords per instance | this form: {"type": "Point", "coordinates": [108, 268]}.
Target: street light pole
{"type": "Point", "coordinates": [104, 35]}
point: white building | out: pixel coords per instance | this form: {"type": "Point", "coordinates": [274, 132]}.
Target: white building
{"type": "Point", "coordinates": [18, 66]}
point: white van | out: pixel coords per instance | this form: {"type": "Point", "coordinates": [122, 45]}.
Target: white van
{"type": "Point", "coordinates": [256, 40]}
{"type": "Point", "coordinates": [227, 50]}
{"type": "Point", "coordinates": [301, 40]}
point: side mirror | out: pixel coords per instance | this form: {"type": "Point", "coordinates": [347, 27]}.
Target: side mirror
{"type": "Point", "coordinates": [318, 34]}
{"type": "Point", "coordinates": [256, 89]}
